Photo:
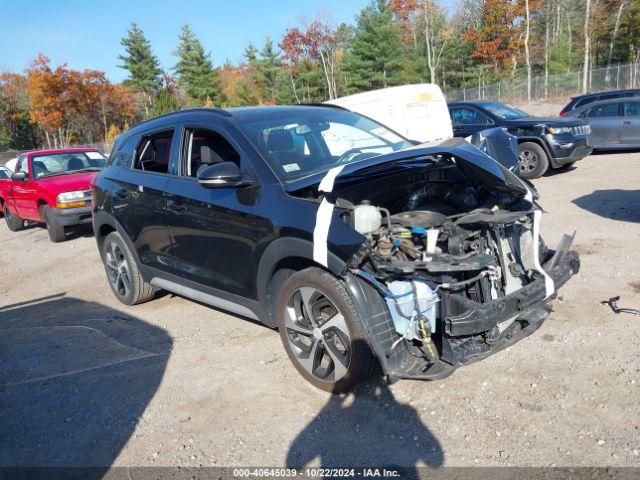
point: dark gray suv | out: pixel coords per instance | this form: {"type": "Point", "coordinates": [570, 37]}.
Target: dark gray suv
{"type": "Point", "coordinates": [615, 124]}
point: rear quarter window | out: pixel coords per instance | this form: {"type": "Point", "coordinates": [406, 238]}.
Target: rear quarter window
{"type": "Point", "coordinates": [604, 110]}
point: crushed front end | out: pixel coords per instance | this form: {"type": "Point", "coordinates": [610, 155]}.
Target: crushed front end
{"type": "Point", "coordinates": [452, 268]}
{"type": "Point", "coordinates": [460, 289]}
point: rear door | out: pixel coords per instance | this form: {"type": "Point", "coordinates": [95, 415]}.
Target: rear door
{"type": "Point", "coordinates": [630, 133]}
{"type": "Point", "coordinates": [139, 204]}
{"type": "Point", "coordinates": [468, 120]}
{"type": "Point", "coordinates": [606, 124]}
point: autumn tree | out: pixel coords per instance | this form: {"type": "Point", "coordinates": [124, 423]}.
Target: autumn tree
{"type": "Point", "coordinates": [407, 13]}
{"type": "Point", "coordinates": [194, 69]}
{"type": "Point", "coordinates": [303, 71]}
{"type": "Point", "coordinates": [16, 130]}
{"type": "Point", "coordinates": [323, 46]}
{"type": "Point", "coordinates": [237, 83]}
{"type": "Point", "coordinates": [75, 105]}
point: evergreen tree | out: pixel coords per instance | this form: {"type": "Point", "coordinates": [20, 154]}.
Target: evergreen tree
{"type": "Point", "coordinates": [374, 58]}
{"type": "Point", "coordinates": [164, 102]}
{"type": "Point", "coordinates": [195, 71]}
{"type": "Point", "coordinates": [251, 55]}
{"type": "Point", "coordinates": [145, 74]}
{"type": "Point", "coordinates": [268, 66]}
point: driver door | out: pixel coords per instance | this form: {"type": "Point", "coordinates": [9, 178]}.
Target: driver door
{"type": "Point", "coordinates": [24, 194]}
{"type": "Point", "coordinates": [468, 120]}
{"type": "Point", "coordinates": [214, 231]}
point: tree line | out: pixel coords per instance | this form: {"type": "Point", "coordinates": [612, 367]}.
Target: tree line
{"type": "Point", "coordinates": [391, 42]}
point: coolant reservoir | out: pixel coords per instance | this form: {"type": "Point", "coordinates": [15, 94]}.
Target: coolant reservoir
{"type": "Point", "coordinates": [411, 298]}
{"type": "Point", "coordinates": [366, 218]}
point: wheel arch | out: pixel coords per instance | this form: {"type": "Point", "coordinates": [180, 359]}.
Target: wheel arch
{"type": "Point", "coordinates": [537, 141]}
{"type": "Point", "coordinates": [104, 224]}
{"type": "Point", "coordinates": [287, 255]}
{"type": "Point", "coordinates": [41, 203]}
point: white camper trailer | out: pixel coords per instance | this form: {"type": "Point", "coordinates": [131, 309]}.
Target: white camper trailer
{"type": "Point", "coordinates": [419, 112]}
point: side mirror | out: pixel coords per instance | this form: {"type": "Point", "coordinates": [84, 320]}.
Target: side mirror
{"type": "Point", "coordinates": [19, 176]}
{"type": "Point", "coordinates": [221, 175]}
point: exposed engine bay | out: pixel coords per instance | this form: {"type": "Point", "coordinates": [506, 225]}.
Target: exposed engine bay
{"type": "Point", "coordinates": [458, 262]}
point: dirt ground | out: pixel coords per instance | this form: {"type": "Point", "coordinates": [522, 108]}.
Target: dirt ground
{"type": "Point", "coordinates": [87, 381]}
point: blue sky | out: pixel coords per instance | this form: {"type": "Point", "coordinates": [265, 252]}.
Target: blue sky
{"type": "Point", "coordinates": [86, 33]}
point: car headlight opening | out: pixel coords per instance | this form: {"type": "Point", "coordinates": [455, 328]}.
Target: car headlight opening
{"type": "Point", "coordinates": [76, 198]}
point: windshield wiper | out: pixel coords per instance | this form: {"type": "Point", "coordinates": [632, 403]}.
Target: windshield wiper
{"type": "Point", "coordinates": [68, 172]}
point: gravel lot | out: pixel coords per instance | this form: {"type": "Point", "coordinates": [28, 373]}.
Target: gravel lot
{"type": "Point", "coordinates": [87, 381]}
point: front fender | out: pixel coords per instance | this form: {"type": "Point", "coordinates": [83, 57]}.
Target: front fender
{"type": "Point", "coordinates": [290, 247]}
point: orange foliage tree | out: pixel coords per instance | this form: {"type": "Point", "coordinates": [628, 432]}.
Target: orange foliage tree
{"type": "Point", "coordinates": [497, 40]}
{"type": "Point", "coordinates": [71, 106]}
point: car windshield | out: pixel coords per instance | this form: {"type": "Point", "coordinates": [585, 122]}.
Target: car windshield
{"type": "Point", "coordinates": [306, 141]}
{"type": "Point", "coordinates": [4, 173]}
{"type": "Point", "coordinates": [64, 163]}
{"type": "Point", "coordinates": [501, 110]}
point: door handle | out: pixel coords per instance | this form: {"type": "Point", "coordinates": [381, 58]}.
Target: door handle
{"type": "Point", "coordinates": [174, 206]}
{"type": "Point", "coordinates": [627, 122]}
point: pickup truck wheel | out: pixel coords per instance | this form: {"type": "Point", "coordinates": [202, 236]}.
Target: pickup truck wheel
{"type": "Point", "coordinates": [54, 228]}
{"type": "Point", "coordinates": [322, 332]}
{"type": "Point", "coordinates": [14, 223]}
{"type": "Point", "coordinates": [123, 273]}
{"type": "Point", "coordinates": [532, 161]}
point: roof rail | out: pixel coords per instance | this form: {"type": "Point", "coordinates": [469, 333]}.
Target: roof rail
{"type": "Point", "coordinates": [219, 111]}
{"type": "Point", "coordinates": [319, 104]}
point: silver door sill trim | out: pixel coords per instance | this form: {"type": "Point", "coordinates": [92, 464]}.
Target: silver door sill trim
{"type": "Point", "coordinates": [203, 297]}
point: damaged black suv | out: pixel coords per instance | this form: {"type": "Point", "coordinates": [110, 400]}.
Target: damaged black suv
{"type": "Point", "coordinates": [366, 251]}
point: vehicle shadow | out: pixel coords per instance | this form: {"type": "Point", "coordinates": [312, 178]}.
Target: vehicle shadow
{"type": "Point", "coordinates": [615, 150]}
{"type": "Point", "coordinates": [622, 205]}
{"type": "Point", "coordinates": [552, 172]}
{"type": "Point", "coordinates": [367, 429]}
{"type": "Point", "coordinates": [84, 231]}
{"type": "Point", "coordinates": [75, 380]}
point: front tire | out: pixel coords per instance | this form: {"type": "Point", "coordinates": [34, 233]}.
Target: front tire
{"type": "Point", "coordinates": [54, 228]}
{"type": "Point", "coordinates": [123, 273]}
{"type": "Point", "coordinates": [322, 333]}
{"type": "Point", "coordinates": [532, 161]}
{"type": "Point", "coordinates": [14, 223]}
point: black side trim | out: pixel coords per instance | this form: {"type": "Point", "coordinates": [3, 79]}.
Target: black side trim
{"type": "Point", "coordinates": [149, 273]}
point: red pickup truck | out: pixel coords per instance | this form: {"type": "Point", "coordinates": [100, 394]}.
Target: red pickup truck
{"type": "Point", "coordinates": [51, 186]}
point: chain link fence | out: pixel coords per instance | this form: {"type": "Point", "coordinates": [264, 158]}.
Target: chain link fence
{"type": "Point", "coordinates": [557, 86]}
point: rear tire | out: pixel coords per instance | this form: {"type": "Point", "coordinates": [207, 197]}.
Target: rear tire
{"type": "Point", "coordinates": [322, 333]}
{"type": "Point", "coordinates": [123, 274]}
{"type": "Point", "coordinates": [532, 161]}
{"type": "Point", "coordinates": [54, 228]}
{"type": "Point", "coordinates": [14, 223]}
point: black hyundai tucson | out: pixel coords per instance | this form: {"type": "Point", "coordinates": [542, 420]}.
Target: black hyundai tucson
{"type": "Point", "coordinates": [367, 252]}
